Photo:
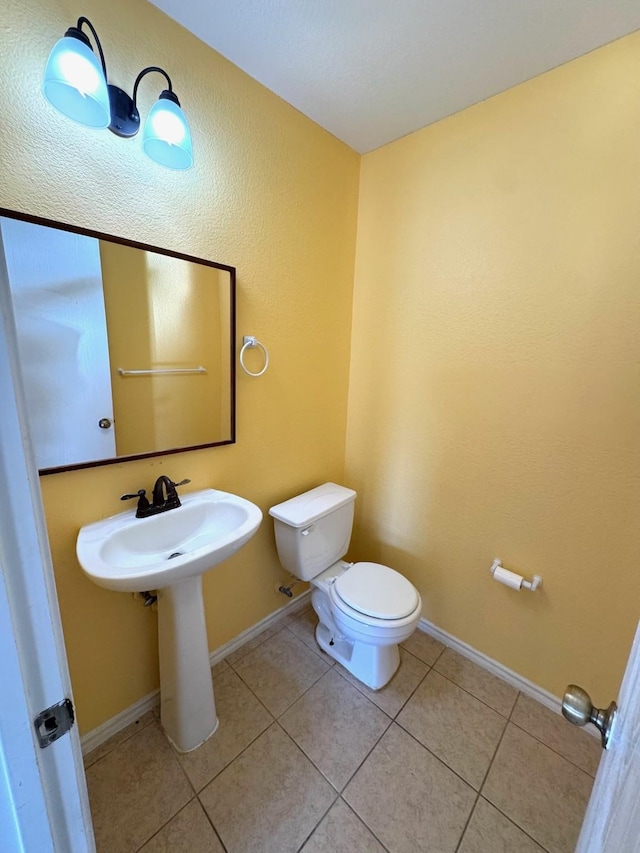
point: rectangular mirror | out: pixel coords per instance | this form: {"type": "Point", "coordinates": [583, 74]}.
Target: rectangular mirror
{"type": "Point", "coordinates": [126, 350]}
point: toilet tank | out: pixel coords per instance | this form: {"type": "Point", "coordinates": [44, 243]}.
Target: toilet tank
{"type": "Point", "coordinates": [313, 530]}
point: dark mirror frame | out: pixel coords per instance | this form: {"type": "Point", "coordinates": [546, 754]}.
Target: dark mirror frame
{"type": "Point", "coordinates": [63, 226]}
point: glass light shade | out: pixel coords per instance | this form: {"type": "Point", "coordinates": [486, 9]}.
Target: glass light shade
{"type": "Point", "coordinates": [75, 83]}
{"type": "Point", "coordinates": [167, 138]}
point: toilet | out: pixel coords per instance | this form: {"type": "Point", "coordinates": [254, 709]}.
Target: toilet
{"type": "Point", "coordinates": [365, 609]}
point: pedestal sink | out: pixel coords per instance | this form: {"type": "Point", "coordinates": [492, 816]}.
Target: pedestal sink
{"type": "Point", "coordinates": [170, 552]}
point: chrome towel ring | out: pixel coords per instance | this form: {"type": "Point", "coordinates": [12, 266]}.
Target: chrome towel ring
{"type": "Point", "coordinates": [249, 342]}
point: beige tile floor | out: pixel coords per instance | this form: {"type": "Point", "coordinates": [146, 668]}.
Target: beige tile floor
{"type": "Point", "coordinates": [445, 758]}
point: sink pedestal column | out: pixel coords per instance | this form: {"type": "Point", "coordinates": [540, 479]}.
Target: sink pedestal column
{"type": "Point", "coordinates": [187, 705]}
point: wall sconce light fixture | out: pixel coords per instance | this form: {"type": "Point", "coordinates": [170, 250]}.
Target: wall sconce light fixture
{"type": "Point", "coordinates": [75, 82]}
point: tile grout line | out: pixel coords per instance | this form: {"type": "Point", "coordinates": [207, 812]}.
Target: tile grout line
{"type": "Point", "coordinates": [477, 698]}
{"type": "Point", "coordinates": [277, 718]}
{"type": "Point", "coordinates": [429, 669]}
{"type": "Point", "coordinates": [337, 793]}
{"type": "Point", "coordinates": [160, 828]}
{"type": "Point", "coordinates": [510, 819]}
{"type": "Point", "coordinates": [274, 721]}
{"type": "Point", "coordinates": [495, 752]}
{"type": "Point", "coordinates": [174, 759]}
{"type": "Point", "coordinates": [212, 824]}
{"type": "Point", "coordinates": [358, 688]}
{"type": "Point", "coordinates": [479, 791]}
{"type": "Point", "coordinates": [467, 822]}
{"type": "Point", "coordinates": [317, 824]}
{"type": "Point", "coordinates": [226, 766]}
{"type": "Point", "coordinates": [242, 751]}
{"type": "Point", "coordinates": [367, 699]}
{"type": "Point", "coordinates": [378, 739]}
{"type": "Point", "coordinates": [273, 630]}
{"type": "Point", "coordinates": [120, 743]}
{"type": "Point", "coordinates": [430, 665]}
{"type": "Point", "coordinates": [357, 816]}
{"type": "Point", "coordinates": [318, 652]}
{"type": "Point", "coordinates": [544, 743]}
{"type": "Point", "coordinates": [245, 748]}
{"type": "Point", "coordinates": [179, 763]}
{"type": "Point", "coordinates": [437, 757]}
{"type": "Point", "coordinates": [334, 665]}
{"type": "Point", "coordinates": [373, 704]}
{"type": "Point", "coordinates": [215, 776]}
{"type": "Point", "coordinates": [479, 795]}
{"type": "Point", "coordinates": [274, 718]}
{"type": "Point", "coordinates": [555, 751]}
{"type": "Point", "coordinates": [304, 693]}
{"type": "Point", "coordinates": [316, 649]}
{"type": "Point", "coordinates": [509, 719]}
{"type": "Point", "coordinates": [306, 690]}
{"type": "Point", "coordinates": [391, 719]}
{"type": "Point", "coordinates": [255, 696]}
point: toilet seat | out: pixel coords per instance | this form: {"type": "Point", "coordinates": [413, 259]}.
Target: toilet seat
{"type": "Point", "coordinates": [376, 592]}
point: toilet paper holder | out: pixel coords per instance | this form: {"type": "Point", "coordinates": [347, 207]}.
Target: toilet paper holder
{"type": "Point", "coordinates": [512, 579]}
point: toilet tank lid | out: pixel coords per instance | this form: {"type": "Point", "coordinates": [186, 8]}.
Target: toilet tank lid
{"type": "Point", "coordinates": [308, 507]}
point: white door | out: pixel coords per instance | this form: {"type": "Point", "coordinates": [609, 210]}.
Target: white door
{"type": "Point", "coordinates": [612, 821]}
{"type": "Point", "coordinates": [43, 798]}
{"type": "Point", "coordinates": [58, 303]}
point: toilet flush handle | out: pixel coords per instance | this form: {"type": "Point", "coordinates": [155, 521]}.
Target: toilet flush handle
{"type": "Point", "coordinates": [307, 530]}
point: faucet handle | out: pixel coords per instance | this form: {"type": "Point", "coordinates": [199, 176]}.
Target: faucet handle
{"type": "Point", "coordinates": [143, 502]}
{"type": "Point", "coordinates": [181, 483]}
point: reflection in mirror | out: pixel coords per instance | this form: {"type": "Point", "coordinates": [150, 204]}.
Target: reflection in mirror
{"type": "Point", "coordinates": [125, 350]}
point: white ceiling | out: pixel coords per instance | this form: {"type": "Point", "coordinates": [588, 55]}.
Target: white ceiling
{"type": "Point", "coordinates": [371, 71]}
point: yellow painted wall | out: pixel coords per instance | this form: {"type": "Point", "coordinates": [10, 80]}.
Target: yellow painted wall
{"type": "Point", "coordinates": [270, 193]}
{"type": "Point", "coordinates": [494, 405]}
{"type": "Point", "coordinates": [164, 312]}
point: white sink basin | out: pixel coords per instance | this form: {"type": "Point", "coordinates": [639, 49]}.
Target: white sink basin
{"type": "Point", "coordinates": [169, 553]}
{"type": "Point", "coordinates": [132, 554]}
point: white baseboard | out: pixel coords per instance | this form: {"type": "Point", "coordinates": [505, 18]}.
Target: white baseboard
{"type": "Point", "coordinates": [96, 737]}
{"type": "Point", "coordinates": [102, 733]}
{"type": "Point", "coordinates": [518, 681]}
{"type": "Point", "coordinates": [111, 727]}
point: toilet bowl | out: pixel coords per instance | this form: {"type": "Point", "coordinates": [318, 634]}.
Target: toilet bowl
{"type": "Point", "coordinates": [364, 609]}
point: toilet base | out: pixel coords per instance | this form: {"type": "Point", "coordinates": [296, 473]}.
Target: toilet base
{"type": "Point", "coordinates": [373, 665]}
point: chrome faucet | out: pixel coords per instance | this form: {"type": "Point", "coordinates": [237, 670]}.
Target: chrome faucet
{"type": "Point", "coordinates": [165, 497]}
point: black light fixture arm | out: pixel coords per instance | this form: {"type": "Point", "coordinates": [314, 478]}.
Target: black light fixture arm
{"type": "Point", "coordinates": [167, 93]}
{"type": "Point", "coordinates": [76, 32]}
{"type": "Point", "coordinates": [125, 118]}
{"type": "Point", "coordinates": [76, 83]}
